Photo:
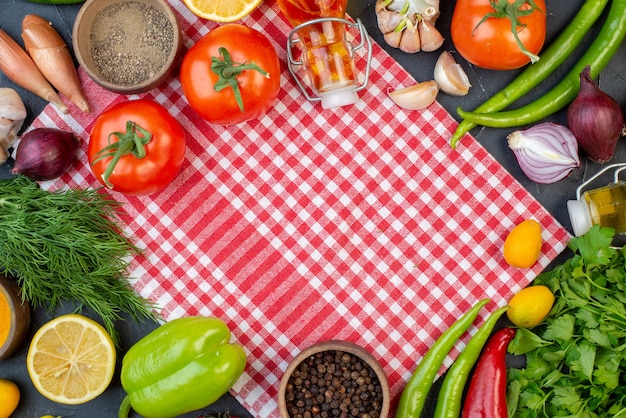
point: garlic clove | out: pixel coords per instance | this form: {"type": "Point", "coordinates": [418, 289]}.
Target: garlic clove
{"type": "Point", "coordinates": [410, 41]}
{"type": "Point", "coordinates": [450, 76]}
{"type": "Point", "coordinates": [12, 115]}
{"type": "Point", "coordinates": [393, 38]}
{"type": "Point", "coordinates": [430, 37]}
{"type": "Point", "coordinates": [431, 12]}
{"type": "Point", "coordinates": [388, 21]}
{"type": "Point", "coordinates": [416, 97]}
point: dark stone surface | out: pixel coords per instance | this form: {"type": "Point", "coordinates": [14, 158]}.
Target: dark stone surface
{"type": "Point", "coordinates": [484, 82]}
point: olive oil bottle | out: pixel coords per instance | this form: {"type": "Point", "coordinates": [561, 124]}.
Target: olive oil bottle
{"type": "Point", "coordinates": [605, 206]}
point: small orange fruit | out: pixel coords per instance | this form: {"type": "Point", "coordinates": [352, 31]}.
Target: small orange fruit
{"type": "Point", "coordinates": [522, 246]}
{"type": "Point", "coordinates": [530, 306]}
{"type": "Point", "coordinates": [9, 397]}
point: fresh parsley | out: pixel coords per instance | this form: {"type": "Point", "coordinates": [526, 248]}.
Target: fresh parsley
{"type": "Point", "coordinates": [575, 359]}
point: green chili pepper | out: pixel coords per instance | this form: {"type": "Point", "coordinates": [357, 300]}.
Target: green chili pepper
{"type": "Point", "coordinates": [534, 74]}
{"type": "Point", "coordinates": [182, 366]}
{"type": "Point", "coordinates": [597, 56]}
{"type": "Point", "coordinates": [450, 397]}
{"type": "Point", "coordinates": [414, 394]}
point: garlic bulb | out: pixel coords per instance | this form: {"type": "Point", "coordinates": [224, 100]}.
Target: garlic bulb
{"type": "Point", "coordinates": [546, 152]}
{"type": "Point", "coordinates": [12, 115]}
{"type": "Point", "coordinates": [409, 24]}
{"type": "Point", "coordinates": [450, 76]}
{"type": "Point", "coordinates": [416, 97]}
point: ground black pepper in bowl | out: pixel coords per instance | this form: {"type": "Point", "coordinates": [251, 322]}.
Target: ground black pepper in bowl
{"type": "Point", "coordinates": [130, 42]}
{"type": "Point", "coordinates": [334, 383]}
{"type": "Point", "coordinates": [127, 46]}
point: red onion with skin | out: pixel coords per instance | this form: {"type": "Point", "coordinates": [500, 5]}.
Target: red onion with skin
{"type": "Point", "coordinates": [596, 119]}
{"type": "Point", "coordinates": [45, 153]}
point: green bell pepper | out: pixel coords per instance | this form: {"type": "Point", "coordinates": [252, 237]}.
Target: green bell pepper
{"type": "Point", "coordinates": [182, 366]}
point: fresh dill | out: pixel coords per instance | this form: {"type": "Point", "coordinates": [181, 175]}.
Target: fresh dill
{"type": "Point", "coordinates": [68, 246]}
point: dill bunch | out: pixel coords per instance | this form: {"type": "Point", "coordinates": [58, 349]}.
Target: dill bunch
{"type": "Point", "coordinates": [68, 246]}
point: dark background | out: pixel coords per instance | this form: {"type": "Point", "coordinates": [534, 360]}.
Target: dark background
{"type": "Point", "coordinates": [484, 84]}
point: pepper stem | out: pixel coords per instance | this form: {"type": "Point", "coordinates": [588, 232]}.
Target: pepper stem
{"type": "Point", "coordinates": [124, 408]}
{"type": "Point", "coordinates": [227, 71]}
{"type": "Point", "coordinates": [513, 11]}
{"type": "Point", "coordinates": [133, 141]}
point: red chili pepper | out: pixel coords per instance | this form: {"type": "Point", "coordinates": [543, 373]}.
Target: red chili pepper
{"type": "Point", "coordinates": [486, 395]}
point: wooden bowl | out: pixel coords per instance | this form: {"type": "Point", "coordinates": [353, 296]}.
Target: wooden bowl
{"type": "Point", "coordinates": [330, 347]}
{"type": "Point", "coordinates": [19, 317]}
{"type": "Point", "coordinates": [127, 46]}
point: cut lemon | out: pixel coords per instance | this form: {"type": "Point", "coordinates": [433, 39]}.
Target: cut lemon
{"type": "Point", "coordinates": [222, 10]}
{"type": "Point", "coordinates": [71, 359]}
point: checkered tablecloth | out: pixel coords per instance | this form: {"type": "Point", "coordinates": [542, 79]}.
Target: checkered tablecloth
{"type": "Point", "coordinates": [357, 223]}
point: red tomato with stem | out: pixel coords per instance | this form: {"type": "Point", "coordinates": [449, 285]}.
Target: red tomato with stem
{"type": "Point", "coordinates": [231, 75]}
{"type": "Point", "coordinates": [136, 147]}
{"type": "Point", "coordinates": [499, 34]}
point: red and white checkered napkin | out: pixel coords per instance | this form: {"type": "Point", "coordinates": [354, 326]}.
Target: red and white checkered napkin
{"type": "Point", "coordinates": [357, 223]}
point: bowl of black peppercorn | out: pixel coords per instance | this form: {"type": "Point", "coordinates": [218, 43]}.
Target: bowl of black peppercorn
{"type": "Point", "coordinates": [331, 379]}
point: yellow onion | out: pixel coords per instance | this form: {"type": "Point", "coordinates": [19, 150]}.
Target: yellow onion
{"type": "Point", "coordinates": [596, 119]}
{"type": "Point", "coordinates": [546, 152]}
{"type": "Point", "coordinates": [45, 153]}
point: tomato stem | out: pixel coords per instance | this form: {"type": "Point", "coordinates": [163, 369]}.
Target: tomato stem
{"type": "Point", "coordinates": [227, 71]}
{"type": "Point", "coordinates": [513, 11]}
{"type": "Point", "coordinates": [133, 141]}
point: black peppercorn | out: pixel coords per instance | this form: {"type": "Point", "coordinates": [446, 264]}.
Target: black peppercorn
{"type": "Point", "coordinates": [333, 384]}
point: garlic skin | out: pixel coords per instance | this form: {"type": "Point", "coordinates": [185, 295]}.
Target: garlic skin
{"type": "Point", "coordinates": [416, 97]}
{"type": "Point", "coordinates": [450, 76]}
{"type": "Point", "coordinates": [428, 9]}
{"type": "Point", "coordinates": [546, 152]}
{"type": "Point", "coordinates": [430, 38]}
{"type": "Point", "coordinates": [12, 115]}
{"type": "Point", "coordinates": [409, 24]}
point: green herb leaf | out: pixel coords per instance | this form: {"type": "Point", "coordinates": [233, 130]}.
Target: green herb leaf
{"type": "Point", "coordinates": [575, 361]}
{"type": "Point", "coordinates": [68, 246]}
{"type": "Point", "coordinates": [525, 341]}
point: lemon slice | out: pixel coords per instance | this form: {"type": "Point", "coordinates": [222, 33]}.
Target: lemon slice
{"type": "Point", "coordinates": [222, 10]}
{"type": "Point", "coordinates": [71, 359]}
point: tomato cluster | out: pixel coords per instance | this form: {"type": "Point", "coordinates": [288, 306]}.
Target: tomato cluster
{"type": "Point", "coordinates": [230, 76]}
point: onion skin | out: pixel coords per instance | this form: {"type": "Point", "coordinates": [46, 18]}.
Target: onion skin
{"type": "Point", "coordinates": [596, 120]}
{"type": "Point", "coordinates": [45, 153]}
{"type": "Point", "coordinates": [53, 58]}
{"type": "Point", "coordinates": [546, 152]}
{"type": "Point", "coordinates": [18, 66]}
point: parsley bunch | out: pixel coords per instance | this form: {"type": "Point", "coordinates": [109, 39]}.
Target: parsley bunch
{"type": "Point", "coordinates": [575, 359]}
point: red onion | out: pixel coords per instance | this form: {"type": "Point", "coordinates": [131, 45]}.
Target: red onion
{"type": "Point", "coordinates": [45, 153]}
{"type": "Point", "coordinates": [546, 152]}
{"type": "Point", "coordinates": [596, 119]}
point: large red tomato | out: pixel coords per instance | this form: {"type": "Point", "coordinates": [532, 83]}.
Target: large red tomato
{"type": "Point", "coordinates": [231, 75]}
{"type": "Point", "coordinates": [136, 147]}
{"type": "Point", "coordinates": [492, 33]}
